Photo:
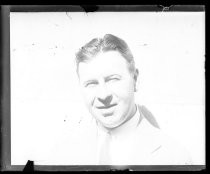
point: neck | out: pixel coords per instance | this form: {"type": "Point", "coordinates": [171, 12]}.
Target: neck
{"type": "Point", "coordinates": [133, 111]}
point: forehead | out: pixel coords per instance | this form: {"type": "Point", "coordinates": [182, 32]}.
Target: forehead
{"type": "Point", "coordinates": [103, 64]}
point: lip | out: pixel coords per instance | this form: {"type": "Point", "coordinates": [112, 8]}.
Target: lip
{"type": "Point", "coordinates": [106, 107]}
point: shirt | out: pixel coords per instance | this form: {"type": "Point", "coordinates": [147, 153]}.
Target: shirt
{"type": "Point", "coordinates": [139, 141]}
{"type": "Point", "coordinates": [119, 140]}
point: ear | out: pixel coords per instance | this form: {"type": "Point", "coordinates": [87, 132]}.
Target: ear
{"type": "Point", "coordinates": [136, 74]}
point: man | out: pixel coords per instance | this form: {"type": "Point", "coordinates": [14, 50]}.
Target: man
{"type": "Point", "coordinates": [127, 134]}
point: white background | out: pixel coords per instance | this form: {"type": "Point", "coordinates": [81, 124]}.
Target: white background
{"type": "Point", "coordinates": [47, 109]}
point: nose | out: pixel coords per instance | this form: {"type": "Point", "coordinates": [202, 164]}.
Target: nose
{"type": "Point", "coordinates": [106, 101]}
{"type": "Point", "coordinates": [104, 96]}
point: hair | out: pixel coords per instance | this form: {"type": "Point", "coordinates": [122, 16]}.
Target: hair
{"type": "Point", "coordinates": [108, 43]}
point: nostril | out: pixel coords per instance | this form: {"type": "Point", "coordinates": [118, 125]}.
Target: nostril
{"type": "Point", "coordinates": [107, 100]}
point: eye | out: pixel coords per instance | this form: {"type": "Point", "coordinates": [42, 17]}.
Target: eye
{"type": "Point", "coordinates": [91, 84]}
{"type": "Point", "coordinates": [113, 79]}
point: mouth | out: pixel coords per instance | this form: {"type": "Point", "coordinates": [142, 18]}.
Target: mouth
{"type": "Point", "coordinates": [106, 107]}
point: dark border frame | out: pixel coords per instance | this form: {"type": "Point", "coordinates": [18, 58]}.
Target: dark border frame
{"type": "Point", "coordinates": [5, 120]}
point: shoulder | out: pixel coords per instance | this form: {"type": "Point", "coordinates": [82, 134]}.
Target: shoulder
{"type": "Point", "coordinates": [171, 151]}
{"type": "Point", "coordinates": [162, 149]}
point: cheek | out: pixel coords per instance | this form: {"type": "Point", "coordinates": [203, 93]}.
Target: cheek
{"type": "Point", "coordinates": [89, 97]}
{"type": "Point", "coordinates": [124, 90]}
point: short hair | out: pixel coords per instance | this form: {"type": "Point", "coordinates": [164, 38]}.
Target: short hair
{"type": "Point", "coordinates": [108, 43]}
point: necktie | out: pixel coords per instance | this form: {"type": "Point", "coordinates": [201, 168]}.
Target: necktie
{"type": "Point", "coordinates": [104, 156]}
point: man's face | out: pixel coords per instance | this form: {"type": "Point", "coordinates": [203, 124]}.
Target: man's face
{"type": "Point", "coordinates": [108, 88]}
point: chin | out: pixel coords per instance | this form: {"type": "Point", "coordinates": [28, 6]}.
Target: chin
{"type": "Point", "coordinates": [112, 125]}
{"type": "Point", "coordinates": [110, 122]}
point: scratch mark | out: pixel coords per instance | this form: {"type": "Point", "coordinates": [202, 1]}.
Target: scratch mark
{"type": "Point", "coordinates": [143, 44]}
{"type": "Point", "coordinates": [156, 149]}
{"type": "Point", "coordinates": [165, 8]}
{"type": "Point", "coordinates": [67, 14]}
{"type": "Point", "coordinates": [89, 8]}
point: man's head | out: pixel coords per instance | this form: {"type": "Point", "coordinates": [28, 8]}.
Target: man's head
{"type": "Point", "coordinates": [107, 74]}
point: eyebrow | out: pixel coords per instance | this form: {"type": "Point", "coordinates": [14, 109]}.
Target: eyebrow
{"type": "Point", "coordinates": [113, 75]}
